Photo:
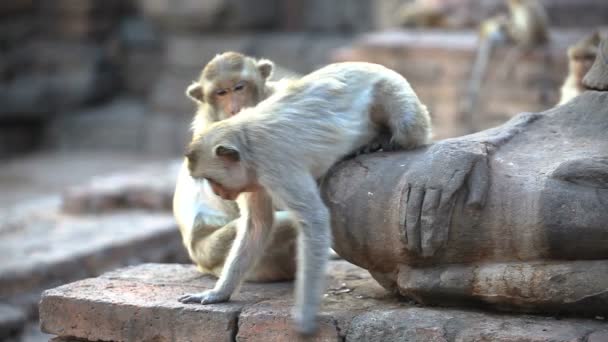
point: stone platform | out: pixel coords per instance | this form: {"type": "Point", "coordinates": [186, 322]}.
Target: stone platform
{"type": "Point", "coordinates": [140, 304]}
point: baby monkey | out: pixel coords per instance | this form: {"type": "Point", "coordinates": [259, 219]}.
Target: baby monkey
{"type": "Point", "coordinates": [274, 153]}
{"type": "Point", "coordinates": [229, 82]}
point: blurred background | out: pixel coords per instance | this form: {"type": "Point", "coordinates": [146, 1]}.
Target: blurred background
{"type": "Point", "coordinates": [93, 115]}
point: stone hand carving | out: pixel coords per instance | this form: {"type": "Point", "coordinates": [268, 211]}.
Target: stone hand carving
{"type": "Point", "coordinates": [431, 189]}
{"type": "Point", "coordinates": [451, 167]}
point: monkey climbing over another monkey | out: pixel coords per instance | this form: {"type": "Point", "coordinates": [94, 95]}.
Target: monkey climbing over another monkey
{"type": "Point", "coordinates": [274, 153]}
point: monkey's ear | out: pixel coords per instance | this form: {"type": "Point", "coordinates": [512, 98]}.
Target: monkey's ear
{"type": "Point", "coordinates": [191, 156]}
{"type": "Point", "coordinates": [195, 92]}
{"type": "Point", "coordinates": [265, 67]}
{"type": "Point", "coordinates": [228, 153]}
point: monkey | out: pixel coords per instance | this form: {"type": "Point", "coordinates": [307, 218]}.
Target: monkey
{"type": "Point", "coordinates": [228, 83]}
{"type": "Point", "coordinates": [529, 23]}
{"type": "Point", "coordinates": [434, 13]}
{"type": "Point", "coordinates": [526, 27]}
{"type": "Point", "coordinates": [276, 151]}
{"type": "Point", "coordinates": [491, 33]}
{"type": "Point", "coordinates": [422, 14]}
{"type": "Point", "coordinates": [580, 58]}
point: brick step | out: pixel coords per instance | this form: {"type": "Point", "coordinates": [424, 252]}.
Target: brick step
{"type": "Point", "coordinates": [140, 304]}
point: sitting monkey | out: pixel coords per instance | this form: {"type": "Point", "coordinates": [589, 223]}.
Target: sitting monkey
{"type": "Point", "coordinates": [275, 152]}
{"type": "Point", "coordinates": [228, 83]}
{"type": "Point", "coordinates": [580, 59]}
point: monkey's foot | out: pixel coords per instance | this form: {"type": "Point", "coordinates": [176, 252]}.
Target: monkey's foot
{"type": "Point", "coordinates": [207, 297]}
{"type": "Point", "coordinates": [305, 325]}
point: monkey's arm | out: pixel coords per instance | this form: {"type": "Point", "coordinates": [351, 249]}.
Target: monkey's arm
{"type": "Point", "coordinates": [254, 230]}
{"type": "Point", "coordinates": [301, 196]}
{"type": "Point", "coordinates": [452, 166]}
{"type": "Point", "coordinates": [486, 46]}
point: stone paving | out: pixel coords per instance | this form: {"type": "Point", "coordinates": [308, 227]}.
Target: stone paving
{"type": "Point", "coordinates": [140, 304]}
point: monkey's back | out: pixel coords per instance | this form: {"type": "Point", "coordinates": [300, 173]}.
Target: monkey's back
{"type": "Point", "coordinates": [323, 116]}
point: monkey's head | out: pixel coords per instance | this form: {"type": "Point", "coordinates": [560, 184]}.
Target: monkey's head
{"type": "Point", "coordinates": [582, 54]}
{"type": "Point", "coordinates": [216, 155]}
{"type": "Point", "coordinates": [494, 28]}
{"type": "Point", "coordinates": [231, 82]}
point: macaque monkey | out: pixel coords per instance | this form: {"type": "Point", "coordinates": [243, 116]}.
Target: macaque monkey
{"type": "Point", "coordinates": [526, 28]}
{"type": "Point", "coordinates": [422, 14]}
{"type": "Point", "coordinates": [434, 13]}
{"type": "Point", "coordinates": [529, 23]}
{"type": "Point", "coordinates": [227, 84]}
{"type": "Point", "coordinates": [275, 152]}
{"type": "Point", "coordinates": [580, 58]}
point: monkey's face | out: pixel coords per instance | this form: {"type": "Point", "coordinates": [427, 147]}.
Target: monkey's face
{"type": "Point", "coordinates": [580, 64]}
{"type": "Point", "coordinates": [231, 82]}
{"type": "Point", "coordinates": [220, 164]}
{"type": "Point", "coordinates": [230, 96]}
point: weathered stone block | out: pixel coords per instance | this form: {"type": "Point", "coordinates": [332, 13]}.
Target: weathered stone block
{"type": "Point", "coordinates": [140, 303]}
{"type": "Point", "coordinates": [210, 15]}
{"type": "Point", "coordinates": [146, 298]}
{"type": "Point", "coordinates": [420, 324]}
{"type": "Point", "coordinates": [508, 218]}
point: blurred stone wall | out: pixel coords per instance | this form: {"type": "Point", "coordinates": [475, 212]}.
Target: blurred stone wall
{"type": "Point", "coordinates": [111, 74]}
{"type": "Point", "coordinates": [55, 56]}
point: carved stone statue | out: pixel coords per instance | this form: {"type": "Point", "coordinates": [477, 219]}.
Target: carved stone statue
{"type": "Point", "coordinates": [514, 217]}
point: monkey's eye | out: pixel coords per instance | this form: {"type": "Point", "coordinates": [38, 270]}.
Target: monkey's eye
{"type": "Point", "coordinates": [240, 86]}
{"type": "Point", "coordinates": [221, 92]}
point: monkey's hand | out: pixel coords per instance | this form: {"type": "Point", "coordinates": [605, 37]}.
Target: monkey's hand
{"type": "Point", "coordinates": [431, 189]}
{"type": "Point", "coordinates": [305, 323]}
{"type": "Point", "coordinates": [206, 297]}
